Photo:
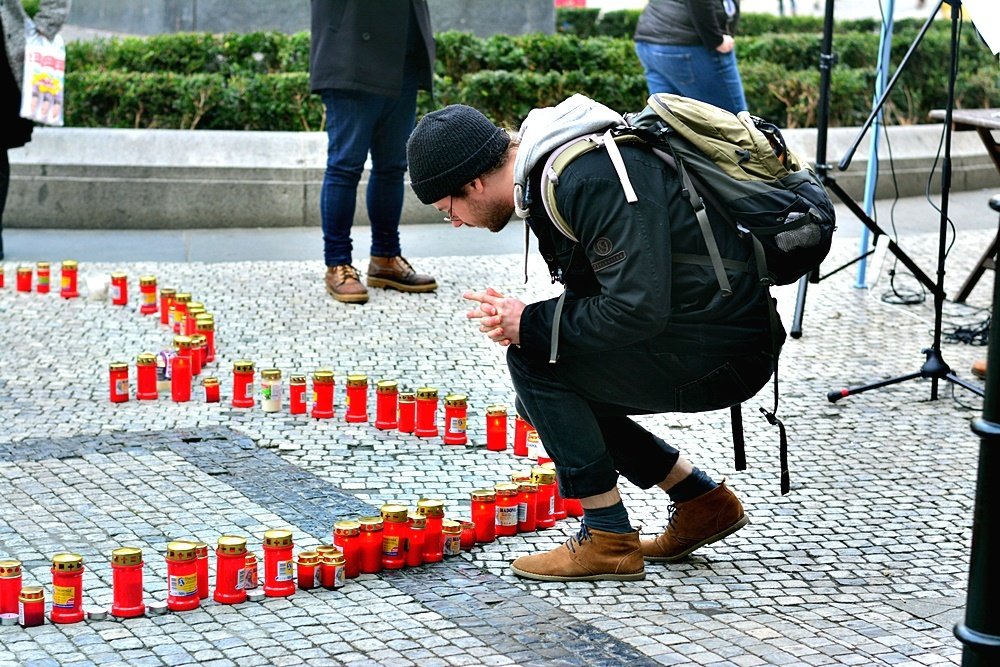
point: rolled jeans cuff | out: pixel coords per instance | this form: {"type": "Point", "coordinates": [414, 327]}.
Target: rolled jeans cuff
{"type": "Point", "coordinates": [593, 479]}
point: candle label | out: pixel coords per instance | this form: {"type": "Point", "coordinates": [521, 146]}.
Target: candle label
{"type": "Point", "coordinates": [64, 282]}
{"type": "Point", "coordinates": [338, 576]}
{"type": "Point", "coordinates": [149, 298]}
{"type": "Point", "coordinates": [456, 425]}
{"type": "Point", "coordinates": [43, 280]}
{"type": "Point", "coordinates": [183, 586]}
{"type": "Point", "coordinates": [64, 597]}
{"type": "Point", "coordinates": [507, 516]}
{"type": "Point", "coordinates": [522, 512]}
{"type": "Point", "coordinates": [116, 292]}
{"type": "Point", "coordinates": [284, 571]}
{"type": "Point", "coordinates": [20, 613]}
{"type": "Point", "coordinates": [270, 391]}
{"type": "Point", "coordinates": [249, 389]}
{"type": "Point", "coordinates": [121, 386]}
{"type": "Point", "coordinates": [317, 577]}
{"type": "Point", "coordinates": [453, 545]}
{"type": "Point", "coordinates": [552, 505]}
{"type": "Point", "coordinates": [243, 579]}
{"type": "Point", "coordinates": [390, 545]}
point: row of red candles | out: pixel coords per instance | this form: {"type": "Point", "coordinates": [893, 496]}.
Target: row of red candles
{"type": "Point", "coordinates": [395, 539]}
{"type": "Point", "coordinates": [409, 412]}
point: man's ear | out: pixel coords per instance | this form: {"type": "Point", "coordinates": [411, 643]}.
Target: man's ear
{"type": "Point", "coordinates": [477, 185]}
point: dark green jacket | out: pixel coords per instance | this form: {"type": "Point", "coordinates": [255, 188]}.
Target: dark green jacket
{"type": "Point", "coordinates": [623, 285]}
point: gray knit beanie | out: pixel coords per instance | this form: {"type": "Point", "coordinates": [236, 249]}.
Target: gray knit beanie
{"type": "Point", "coordinates": [451, 147]}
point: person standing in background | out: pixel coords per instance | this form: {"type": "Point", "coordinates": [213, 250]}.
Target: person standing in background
{"type": "Point", "coordinates": [367, 60]}
{"type": "Point", "coordinates": [16, 130]}
{"type": "Point", "coordinates": [686, 47]}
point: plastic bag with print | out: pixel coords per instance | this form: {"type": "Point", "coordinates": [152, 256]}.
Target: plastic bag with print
{"type": "Point", "coordinates": [44, 77]}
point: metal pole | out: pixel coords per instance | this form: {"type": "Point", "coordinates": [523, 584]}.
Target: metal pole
{"type": "Point", "coordinates": [871, 175]}
{"type": "Point", "coordinates": [980, 632]}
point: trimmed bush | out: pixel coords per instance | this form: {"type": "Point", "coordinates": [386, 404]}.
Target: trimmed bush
{"type": "Point", "coordinates": [260, 80]}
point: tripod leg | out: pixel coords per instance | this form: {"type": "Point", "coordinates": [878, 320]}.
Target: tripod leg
{"type": "Point", "coordinates": [836, 395]}
{"type": "Point", "coordinates": [800, 306]}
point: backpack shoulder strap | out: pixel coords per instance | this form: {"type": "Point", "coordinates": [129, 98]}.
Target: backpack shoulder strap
{"type": "Point", "coordinates": [561, 157]}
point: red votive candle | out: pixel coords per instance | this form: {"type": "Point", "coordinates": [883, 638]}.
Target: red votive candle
{"type": "Point", "coordinates": [167, 295]}
{"type": "Point", "coordinates": [67, 588]}
{"type": "Point", "coordinates": [433, 512]}
{"type": "Point", "coordinates": [147, 295]}
{"type": "Point", "coordinates": [371, 544]}
{"type": "Point", "coordinates": [323, 387]}
{"type": "Point", "coordinates": [506, 508]}
{"type": "Point", "coordinates": [407, 411]}
{"type": "Point", "coordinates": [386, 403]}
{"type": "Point", "coordinates": [10, 586]}
{"type": "Point", "coordinates": [145, 377]}
{"type": "Point", "coordinates": [182, 576]}
{"type": "Point", "coordinates": [395, 531]}
{"type": "Point", "coordinates": [484, 514]}
{"type": "Point", "coordinates": [279, 573]}
{"type": "Point", "coordinates": [357, 398]}
{"type": "Point", "coordinates": [44, 273]}
{"type": "Point", "coordinates": [308, 571]}
{"type": "Point", "coordinates": [31, 607]}
{"type": "Point", "coordinates": [415, 543]}
{"type": "Point", "coordinates": [24, 274]}
{"type": "Point", "coordinates": [118, 381]}
{"type": "Point", "coordinates": [546, 480]}
{"type": "Point", "coordinates": [527, 507]}
{"type": "Point", "coordinates": [559, 503]}
{"type": "Point", "coordinates": [178, 311]}
{"type": "Point", "coordinates": [455, 415]}
{"type": "Point", "coordinates": [347, 536]}
{"type": "Point", "coordinates": [67, 280]}
{"type": "Point", "coordinates": [211, 385]}
{"type": "Point", "coordinates": [126, 583]}
{"type": "Point", "coordinates": [230, 579]}
{"type": "Point", "coordinates": [119, 289]}
{"type": "Point", "coordinates": [243, 384]}
{"type": "Point", "coordinates": [427, 400]}
{"type": "Point", "coordinates": [451, 537]}
{"type": "Point", "coordinates": [521, 428]}
{"type": "Point", "coordinates": [468, 535]}
{"type": "Point", "coordinates": [297, 394]}
{"type": "Point", "coordinates": [496, 428]}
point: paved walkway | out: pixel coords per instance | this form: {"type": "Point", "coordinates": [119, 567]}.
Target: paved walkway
{"type": "Point", "coordinates": [864, 562]}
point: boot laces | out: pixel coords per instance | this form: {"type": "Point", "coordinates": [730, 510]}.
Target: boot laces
{"type": "Point", "coordinates": [583, 535]}
{"type": "Point", "coordinates": [346, 272]}
{"type": "Point", "coordinates": [671, 514]}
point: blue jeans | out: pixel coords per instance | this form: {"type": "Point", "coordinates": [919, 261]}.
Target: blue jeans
{"type": "Point", "coordinates": [693, 71]}
{"type": "Point", "coordinates": [581, 406]}
{"type": "Point", "coordinates": [356, 123]}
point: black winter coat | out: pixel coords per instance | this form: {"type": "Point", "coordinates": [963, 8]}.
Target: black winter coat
{"type": "Point", "coordinates": [688, 22]}
{"type": "Point", "coordinates": [623, 285]}
{"type": "Point", "coordinates": [363, 45]}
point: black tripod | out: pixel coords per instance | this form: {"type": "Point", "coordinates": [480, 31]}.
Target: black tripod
{"type": "Point", "coordinates": [934, 368]}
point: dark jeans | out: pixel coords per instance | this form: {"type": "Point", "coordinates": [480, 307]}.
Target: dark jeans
{"type": "Point", "coordinates": [580, 407]}
{"type": "Point", "coordinates": [356, 123]}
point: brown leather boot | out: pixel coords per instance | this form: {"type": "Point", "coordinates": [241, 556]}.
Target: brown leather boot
{"type": "Point", "coordinates": [979, 368]}
{"type": "Point", "coordinates": [396, 273]}
{"type": "Point", "coordinates": [593, 555]}
{"type": "Point", "coordinates": [695, 523]}
{"type": "Point", "coordinates": [343, 283]}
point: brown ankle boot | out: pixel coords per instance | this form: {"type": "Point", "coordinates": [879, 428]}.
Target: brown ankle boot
{"type": "Point", "coordinates": [396, 273]}
{"type": "Point", "coordinates": [343, 282]}
{"type": "Point", "coordinates": [695, 523]}
{"type": "Point", "coordinates": [593, 555]}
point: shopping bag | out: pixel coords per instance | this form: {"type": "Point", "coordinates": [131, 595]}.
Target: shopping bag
{"type": "Point", "coordinates": [44, 77]}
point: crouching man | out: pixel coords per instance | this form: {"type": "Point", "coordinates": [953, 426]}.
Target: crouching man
{"type": "Point", "coordinates": [639, 329]}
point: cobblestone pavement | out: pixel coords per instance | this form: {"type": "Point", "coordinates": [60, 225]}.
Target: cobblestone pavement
{"type": "Point", "coordinates": [864, 562]}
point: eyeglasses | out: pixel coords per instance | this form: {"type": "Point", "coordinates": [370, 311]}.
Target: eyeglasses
{"type": "Point", "coordinates": [448, 218]}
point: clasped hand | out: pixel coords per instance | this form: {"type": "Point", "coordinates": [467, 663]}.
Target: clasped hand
{"type": "Point", "coordinates": [499, 316]}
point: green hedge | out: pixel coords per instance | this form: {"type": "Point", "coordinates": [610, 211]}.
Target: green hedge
{"type": "Point", "coordinates": [260, 80]}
